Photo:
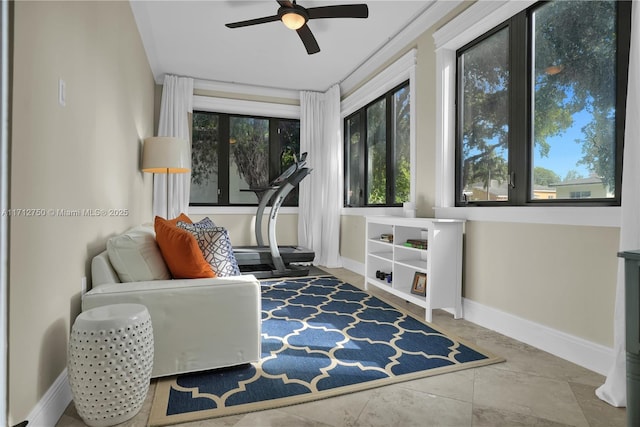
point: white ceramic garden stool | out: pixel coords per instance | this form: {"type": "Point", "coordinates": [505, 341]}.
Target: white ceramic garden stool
{"type": "Point", "coordinates": [109, 362]}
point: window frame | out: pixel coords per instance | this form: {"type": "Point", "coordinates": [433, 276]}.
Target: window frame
{"type": "Point", "coordinates": [520, 164]}
{"type": "Point", "coordinates": [363, 152]}
{"type": "Point", "coordinates": [404, 68]}
{"type": "Point", "coordinates": [225, 107]}
{"type": "Point", "coordinates": [476, 20]}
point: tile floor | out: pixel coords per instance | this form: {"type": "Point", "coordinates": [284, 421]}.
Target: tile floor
{"type": "Point", "coordinates": [532, 388]}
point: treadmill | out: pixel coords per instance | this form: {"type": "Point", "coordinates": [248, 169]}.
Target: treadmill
{"type": "Point", "coordinates": [271, 260]}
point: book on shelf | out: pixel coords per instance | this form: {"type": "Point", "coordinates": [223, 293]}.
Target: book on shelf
{"type": "Point", "coordinates": [417, 243]}
{"type": "Point", "coordinates": [386, 237]}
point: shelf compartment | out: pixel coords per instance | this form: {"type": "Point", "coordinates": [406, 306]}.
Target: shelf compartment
{"type": "Point", "coordinates": [376, 263]}
{"type": "Point", "coordinates": [376, 242]}
{"type": "Point", "coordinates": [384, 256]}
{"type": "Point", "coordinates": [379, 283]}
{"type": "Point", "coordinates": [403, 280]}
{"type": "Point", "coordinates": [376, 230]}
{"type": "Point", "coordinates": [415, 264]}
{"type": "Point", "coordinates": [405, 233]}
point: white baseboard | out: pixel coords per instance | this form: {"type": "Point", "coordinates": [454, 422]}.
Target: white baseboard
{"type": "Point", "coordinates": [53, 404]}
{"type": "Point", "coordinates": [595, 357]}
{"type": "Point", "coordinates": [587, 354]}
{"type": "Point", "coordinates": [351, 265]}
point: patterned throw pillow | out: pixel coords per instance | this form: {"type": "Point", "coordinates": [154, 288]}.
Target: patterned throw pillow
{"type": "Point", "coordinates": [216, 247]}
{"type": "Point", "coordinates": [206, 222]}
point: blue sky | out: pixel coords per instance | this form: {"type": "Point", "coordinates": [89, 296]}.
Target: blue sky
{"type": "Point", "coordinates": [565, 152]}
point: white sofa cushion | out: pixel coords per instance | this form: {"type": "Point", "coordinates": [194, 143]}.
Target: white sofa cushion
{"type": "Point", "coordinates": [136, 257]}
{"type": "Point", "coordinates": [198, 324]}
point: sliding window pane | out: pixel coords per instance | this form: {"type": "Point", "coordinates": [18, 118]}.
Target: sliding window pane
{"type": "Point", "coordinates": [289, 143]}
{"type": "Point", "coordinates": [484, 132]}
{"type": "Point", "coordinates": [204, 159]}
{"type": "Point", "coordinates": [377, 153]}
{"type": "Point", "coordinates": [248, 158]}
{"type": "Point", "coordinates": [354, 191]}
{"type": "Point", "coordinates": [401, 145]}
{"type": "Point", "coordinates": [289, 152]}
{"type": "Point", "coordinates": [574, 100]}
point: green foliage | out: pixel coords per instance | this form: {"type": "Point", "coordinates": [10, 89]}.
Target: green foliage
{"type": "Point", "coordinates": [485, 114]}
{"type": "Point", "coordinates": [574, 71]}
{"type": "Point", "coordinates": [400, 145]}
{"type": "Point", "coordinates": [543, 176]}
{"type": "Point", "coordinates": [572, 175]}
{"type": "Point", "coordinates": [586, 57]}
{"type": "Point", "coordinates": [377, 153]}
{"type": "Point", "coordinates": [204, 153]}
{"type": "Point", "coordinates": [248, 148]}
{"type": "Point", "coordinates": [249, 139]}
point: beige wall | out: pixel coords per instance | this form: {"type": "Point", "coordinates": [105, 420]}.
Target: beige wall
{"type": "Point", "coordinates": [563, 277]}
{"type": "Point", "coordinates": [352, 242]}
{"type": "Point", "coordinates": [241, 227]}
{"type": "Point", "coordinates": [560, 276]}
{"type": "Point", "coordinates": [82, 156]}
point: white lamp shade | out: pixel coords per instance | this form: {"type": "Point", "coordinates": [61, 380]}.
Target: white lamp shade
{"type": "Point", "coordinates": [166, 154]}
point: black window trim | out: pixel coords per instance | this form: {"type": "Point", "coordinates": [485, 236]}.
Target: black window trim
{"type": "Point", "coordinates": [390, 152]}
{"type": "Point", "coordinates": [223, 155]}
{"type": "Point", "coordinates": [519, 154]}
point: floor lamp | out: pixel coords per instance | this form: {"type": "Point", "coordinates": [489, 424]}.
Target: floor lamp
{"type": "Point", "coordinates": [165, 155]}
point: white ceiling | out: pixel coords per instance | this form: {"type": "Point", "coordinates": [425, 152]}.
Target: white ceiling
{"type": "Point", "coordinates": [189, 38]}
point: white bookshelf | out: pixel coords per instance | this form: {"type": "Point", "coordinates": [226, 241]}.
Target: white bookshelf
{"type": "Point", "coordinates": [441, 261]}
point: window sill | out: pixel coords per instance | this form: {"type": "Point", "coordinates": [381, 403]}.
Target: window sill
{"type": "Point", "coordinates": [387, 211]}
{"type": "Point", "coordinates": [237, 210]}
{"type": "Point", "coordinates": [598, 216]}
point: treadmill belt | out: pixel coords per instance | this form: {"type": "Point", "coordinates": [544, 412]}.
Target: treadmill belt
{"type": "Point", "coordinates": [252, 255]}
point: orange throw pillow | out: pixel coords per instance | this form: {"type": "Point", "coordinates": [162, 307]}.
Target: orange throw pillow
{"type": "Point", "coordinates": [182, 217]}
{"type": "Point", "coordinates": [180, 251]}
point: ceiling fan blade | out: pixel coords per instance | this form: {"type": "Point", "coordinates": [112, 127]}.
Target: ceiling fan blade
{"type": "Point", "coordinates": [308, 39]}
{"type": "Point", "coordinates": [256, 21]}
{"type": "Point", "coordinates": [285, 3]}
{"type": "Point", "coordinates": [339, 11]}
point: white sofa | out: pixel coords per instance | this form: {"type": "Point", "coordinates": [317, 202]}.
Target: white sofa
{"type": "Point", "coordinates": [198, 324]}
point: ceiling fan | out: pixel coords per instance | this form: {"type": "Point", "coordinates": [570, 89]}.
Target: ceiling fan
{"type": "Point", "coordinates": [295, 17]}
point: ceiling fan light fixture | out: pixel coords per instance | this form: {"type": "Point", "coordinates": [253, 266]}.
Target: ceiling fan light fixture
{"type": "Point", "coordinates": [293, 19]}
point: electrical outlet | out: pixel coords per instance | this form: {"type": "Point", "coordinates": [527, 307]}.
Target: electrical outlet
{"type": "Point", "coordinates": [83, 286]}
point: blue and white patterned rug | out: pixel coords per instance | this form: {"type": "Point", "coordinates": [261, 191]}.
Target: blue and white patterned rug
{"type": "Point", "coordinates": [321, 337]}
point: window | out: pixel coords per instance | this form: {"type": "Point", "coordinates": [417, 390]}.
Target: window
{"type": "Point", "coordinates": [256, 151]}
{"type": "Point", "coordinates": [541, 107]}
{"type": "Point", "coordinates": [580, 194]}
{"type": "Point", "coordinates": [377, 151]}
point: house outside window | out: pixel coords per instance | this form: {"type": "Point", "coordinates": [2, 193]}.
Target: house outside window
{"type": "Point", "coordinates": [378, 151]}
{"type": "Point", "coordinates": [540, 107]}
{"type": "Point", "coordinates": [233, 156]}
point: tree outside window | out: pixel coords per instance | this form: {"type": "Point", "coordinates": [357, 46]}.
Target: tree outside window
{"type": "Point", "coordinates": [233, 157]}
{"type": "Point", "coordinates": [528, 126]}
{"type": "Point", "coordinates": [378, 151]}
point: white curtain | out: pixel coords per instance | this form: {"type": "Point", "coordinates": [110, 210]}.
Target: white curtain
{"type": "Point", "coordinates": [175, 107]}
{"type": "Point", "coordinates": [321, 193]}
{"type": "Point", "coordinates": [613, 391]}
